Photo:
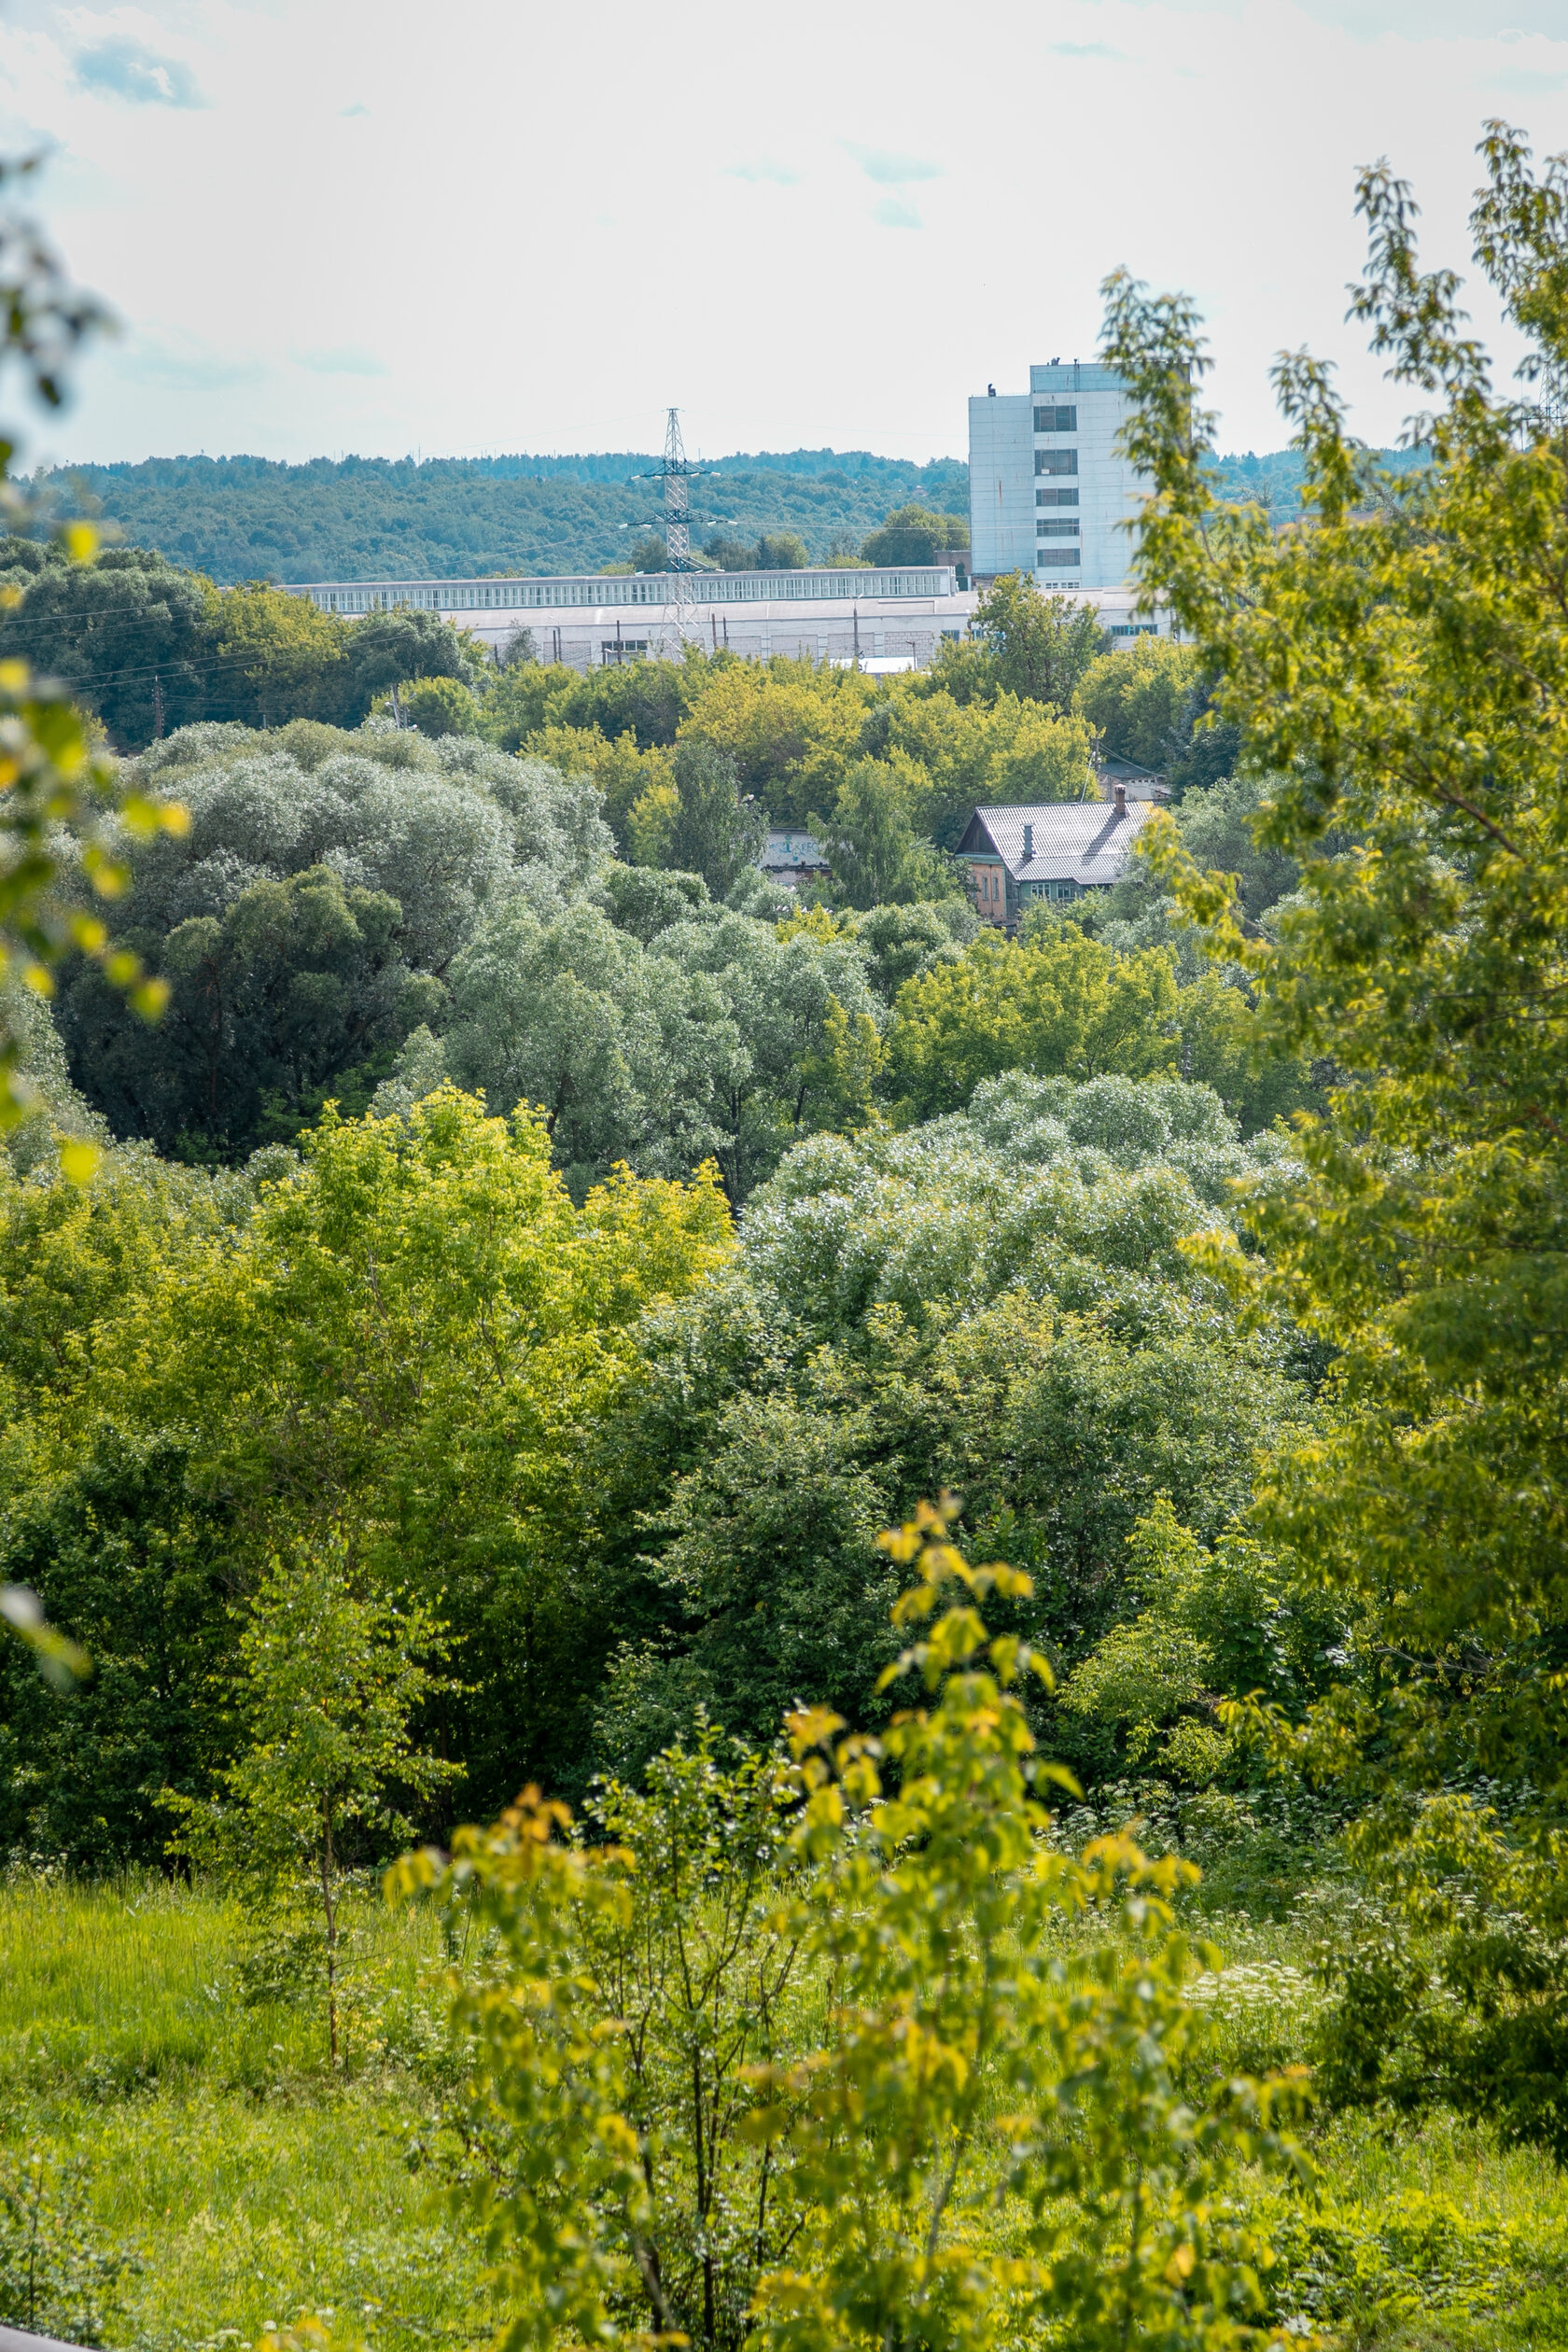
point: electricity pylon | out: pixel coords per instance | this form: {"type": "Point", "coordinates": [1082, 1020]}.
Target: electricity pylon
{"type": "Point", "coordinates": [676, 473]}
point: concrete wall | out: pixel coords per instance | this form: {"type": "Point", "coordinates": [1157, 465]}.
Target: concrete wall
{"type": "Point", "coordinates": [910, 628]}
{"type": "Point", "coordinates": [1025, 516]}
{"type": "Point", "coordinates": [1108, 490]}
{"type": "Point", "coordinates": [1000, 485]}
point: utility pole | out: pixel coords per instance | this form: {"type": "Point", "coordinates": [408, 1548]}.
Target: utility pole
{"type": "Point", "coordinates": [157, 708]}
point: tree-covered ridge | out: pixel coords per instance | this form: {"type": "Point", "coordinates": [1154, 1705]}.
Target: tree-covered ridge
{"type": "Point", "coordinates": [447, 518]}
{"type": "Point", "coordinates": [1276, 480]}
{"type": "Point", "coordinates": [443, 518]}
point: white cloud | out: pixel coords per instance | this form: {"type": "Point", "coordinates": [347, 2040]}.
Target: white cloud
{"type": "Point", "coordinates": [121, 67]}
{"type": "Point", "coordinates": [180, 361]}
{"type": "Point", "coordinates": [779, 174]}
{"type": "Point", "coordinates": [893, 170]}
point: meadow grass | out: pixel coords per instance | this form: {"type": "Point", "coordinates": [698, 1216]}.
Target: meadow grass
{"type": "Point", "coordinates": [237, 2179]}
{"type": "Point", "coordinates": [236, 2183]}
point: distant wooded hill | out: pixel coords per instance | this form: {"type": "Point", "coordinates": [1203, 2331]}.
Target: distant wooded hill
{"type": "Point", "coordinates": [247, 518]}
{"type": "Point", "coordinates": [446, 518]}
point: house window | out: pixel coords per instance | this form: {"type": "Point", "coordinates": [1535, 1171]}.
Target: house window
{"type": "Point", "coordinates": [1055, 498]}
{"type": "Point", "coordinates": [1057, 461]}
{"type": "Point", "coordinates": [1055, 420]}
{"type": "Point", "coordinates": [1057, 530]}
{"type": "Point", "coordinates": [1058, 555]}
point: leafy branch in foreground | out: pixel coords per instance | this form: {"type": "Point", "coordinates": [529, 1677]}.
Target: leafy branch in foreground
{"type": "Point", "coordinates": [972, 2120]}
{"type": "Point", "coordinates": [1398, 666]}
{"type": "Point", "coordinates": [54, 789]}
{"type": "Point", "coordinates": [52, 785]}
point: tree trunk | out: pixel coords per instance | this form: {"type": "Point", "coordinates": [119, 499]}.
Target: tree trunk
{"type": "Point", "coordinates": [329, 1907]}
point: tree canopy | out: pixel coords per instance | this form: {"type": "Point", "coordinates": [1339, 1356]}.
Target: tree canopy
{"type": "Point", "coordinates": [1398, 666]}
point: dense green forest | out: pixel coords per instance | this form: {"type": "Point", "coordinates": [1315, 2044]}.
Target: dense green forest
{"type": "Point", "coordinates": [443, 518]}
{"type": "Point", "coordinates": [981, 1517]}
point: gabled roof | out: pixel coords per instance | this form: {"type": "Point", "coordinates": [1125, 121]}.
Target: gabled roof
{"type": "Point", "coordinates": [1078, 841]}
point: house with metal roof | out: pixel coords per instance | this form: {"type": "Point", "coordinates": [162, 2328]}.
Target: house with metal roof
{"type": "Point", "coordinates": [1058, 850]}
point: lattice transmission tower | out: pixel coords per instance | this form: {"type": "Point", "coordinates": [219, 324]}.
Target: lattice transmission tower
{"type": "Point", "coordinates": [675, 474]}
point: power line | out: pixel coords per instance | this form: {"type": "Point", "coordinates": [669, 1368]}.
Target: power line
{"type": "Point", "coordinates": [196, 669]}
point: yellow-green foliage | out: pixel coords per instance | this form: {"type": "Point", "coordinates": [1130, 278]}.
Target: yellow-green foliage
{"type": "Point", "coordinates": [952, 755]}
{"type": "Point", "coordinates": [974, 2124]}
{"type": "Point", "coordinates": [282, 653]}
{"type": "Point", "coordinates": [622, 771]}
{"type": "Point", "coordinates": [54, 779]}
{"type": "Point", "coordinates": [791, 727]}
{"type": "Point", "coordinates": [232, 2183]}
{"type": "Point", "coordinates": [1060, 1002]}
{"type": "Point", "coordinates": [797, 730]}
{"type": "Point", "coordinates": [417, 1317]}
{"type": "Point", "coordinates": [1135, 698]}
{"type": "Point", "coordinates": [78, 1259]}
{"type": "Point", "coordinates": [651, 824]}
{"type": "Point", "coordinates": [1400, 669]}
{"type": "Point", "coordinates": [409, 1335]}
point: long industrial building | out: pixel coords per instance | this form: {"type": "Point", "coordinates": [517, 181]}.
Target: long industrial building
{"type": "Point", "coordinates": [890, 617]}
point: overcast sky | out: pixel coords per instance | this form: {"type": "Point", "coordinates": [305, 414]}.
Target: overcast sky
{"type": "Point", "coordinates": [375, 226]}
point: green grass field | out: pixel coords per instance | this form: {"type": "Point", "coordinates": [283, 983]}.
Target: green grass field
{"type": "Point", "coordinates": [213, 2155]}
{"type": "Point", "coordinates": [204, 2176]}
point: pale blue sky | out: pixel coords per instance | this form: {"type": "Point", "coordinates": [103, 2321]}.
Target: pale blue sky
{"type": "Point", "coordinates": [370, 225]}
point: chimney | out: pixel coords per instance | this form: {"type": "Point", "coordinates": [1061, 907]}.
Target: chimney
{"type": "Point", "coordinates": [1029, 841]}
{"type": "Point", "coordinates": [1120, 800]}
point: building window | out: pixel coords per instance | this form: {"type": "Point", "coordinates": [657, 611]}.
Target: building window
{"type": "Point", "coordinates": [1055, 461]}
{"type": "Point", "coordinates": [1133, 628]}
{"type": "Point", "coordinates": [1055, 420]}
{"type": "Point", "coordinates": [1055, 498]}
{"type": "Point", "coordinates": [1058, 555]}
{"type": "Point", "coordinates": [1057, 531]}
{"type": "Point", "coordinates": [615, 650]}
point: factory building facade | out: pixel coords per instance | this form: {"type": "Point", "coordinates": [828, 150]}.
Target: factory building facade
{"type": "Point", "coordinates": [880, 617]}
{"type": "Point", "coordinates": [1048, 494]}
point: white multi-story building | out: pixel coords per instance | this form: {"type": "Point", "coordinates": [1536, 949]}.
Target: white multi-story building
{"type": "Point", "coordinates": [1048, 494]}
